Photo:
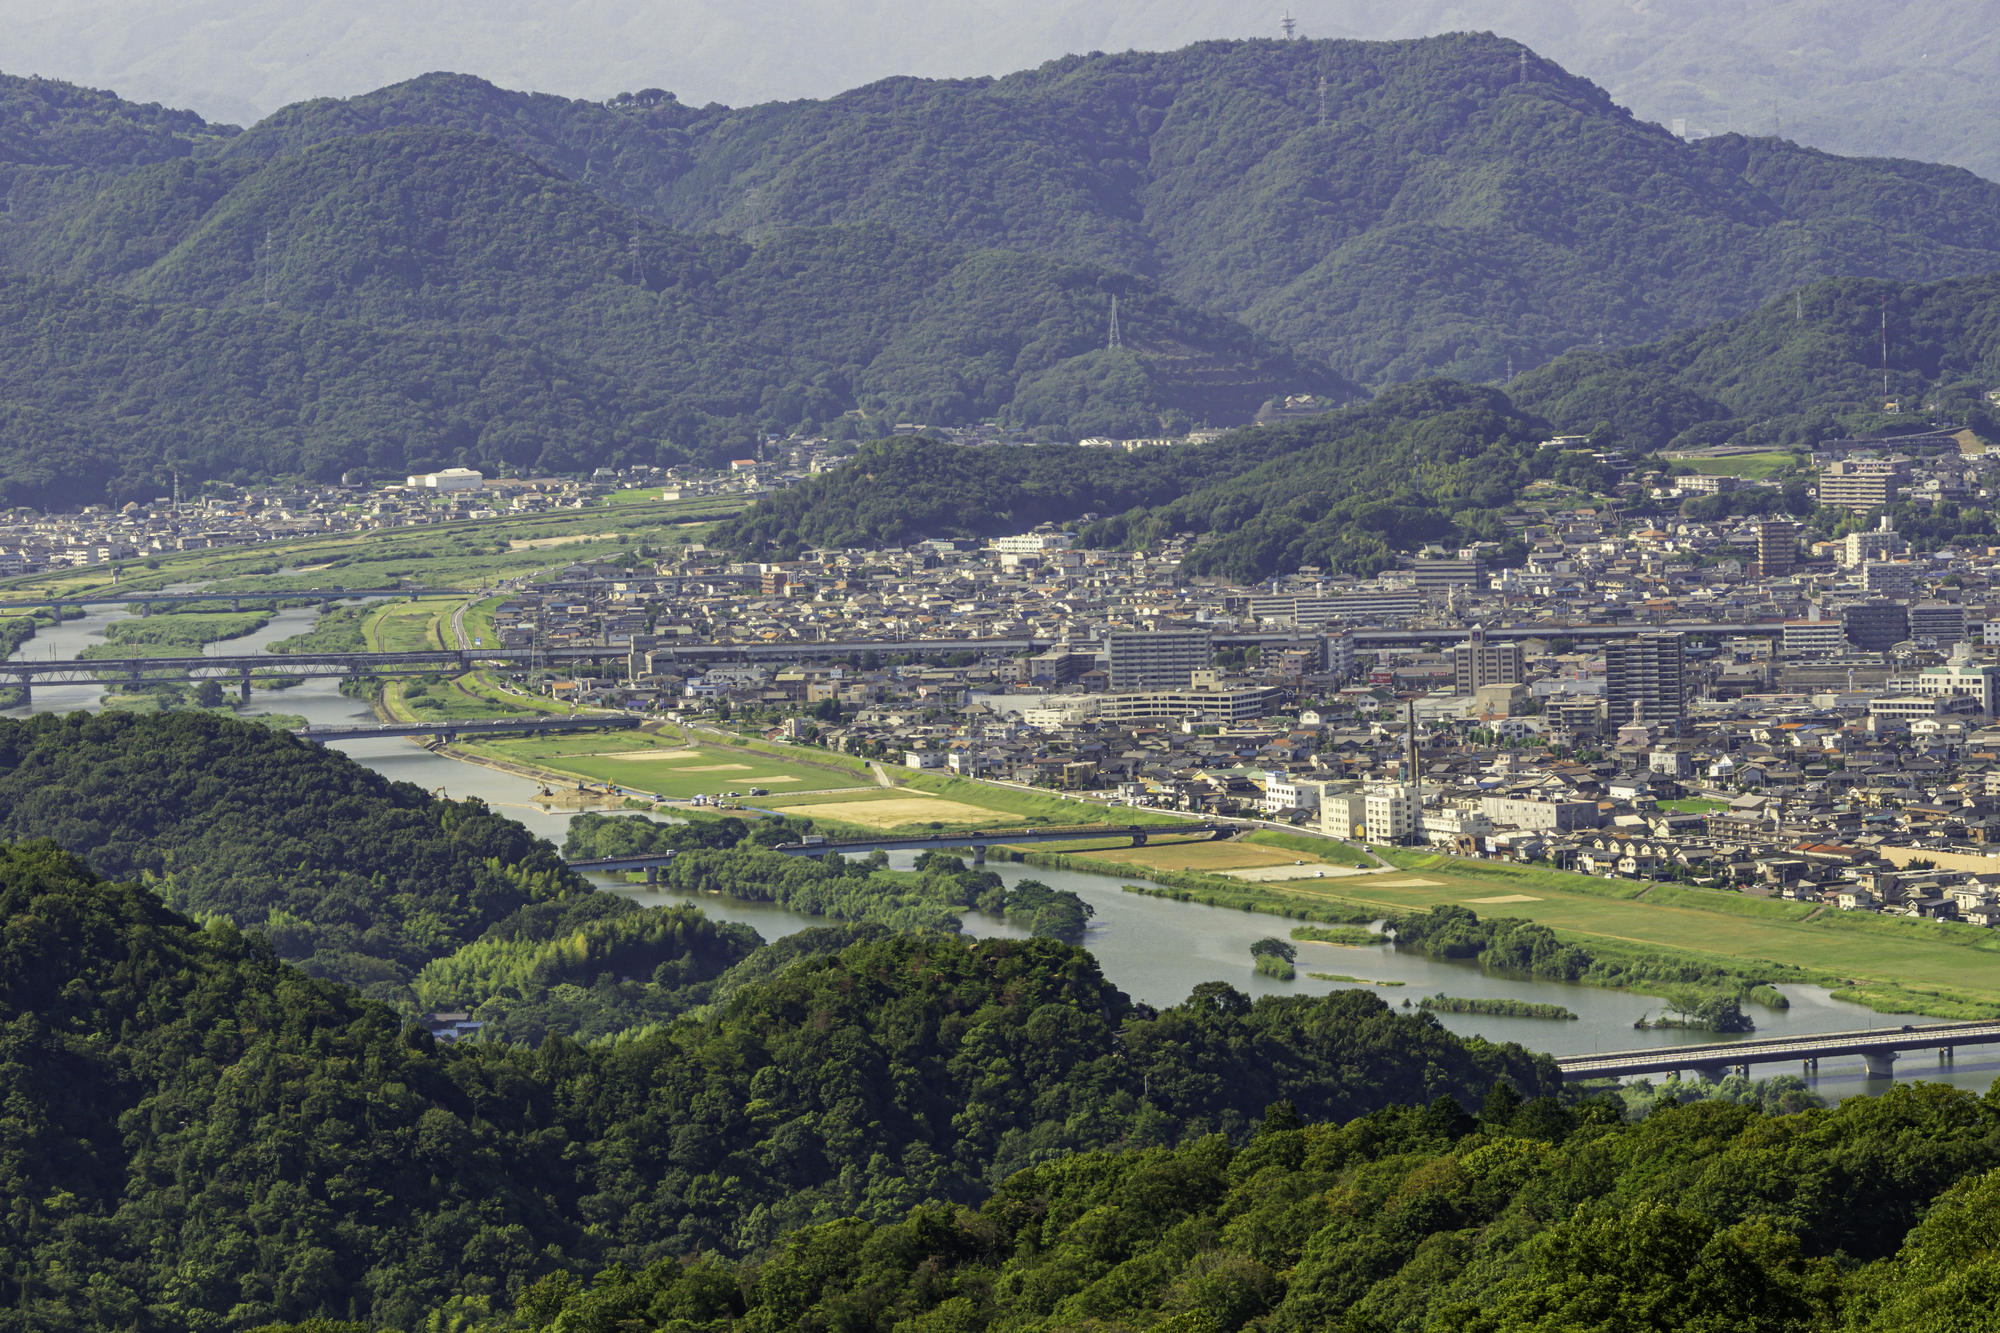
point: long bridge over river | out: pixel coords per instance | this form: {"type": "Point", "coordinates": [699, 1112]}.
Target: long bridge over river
{"type": "Point", "coordinates": [978, 842]}
{"type": "Point", "coordinates": [1879, 1047]}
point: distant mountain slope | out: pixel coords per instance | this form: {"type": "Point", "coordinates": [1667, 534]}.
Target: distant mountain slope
{"type": "Point", "coordinates": [1454, 205]}
{"type": "Point", "coordinates": [1795, 371]}
{"type": "Point", "coordinates": [1847, 76]}
{"type": "Point", "coordinates": [525, 320]}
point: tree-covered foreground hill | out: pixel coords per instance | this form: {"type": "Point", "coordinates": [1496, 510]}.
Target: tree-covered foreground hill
{"type": "Point", "coordinates": [198, 1136]}
{"type": "Point", "coordinates": [1882, 1215]}
{"type": "Point", "coordinates": [1439, 206]}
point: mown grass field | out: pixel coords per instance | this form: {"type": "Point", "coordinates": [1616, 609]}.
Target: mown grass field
{"type": "Point", "coordinates": [409, 627]}
{"type": "Point", "coordinates": [657, 765]}
{"type": "Point", "coordinates": [1751, 467]}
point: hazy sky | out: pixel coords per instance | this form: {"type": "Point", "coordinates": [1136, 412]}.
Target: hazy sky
{"type": "Point", "coordinates": [1908, 77]}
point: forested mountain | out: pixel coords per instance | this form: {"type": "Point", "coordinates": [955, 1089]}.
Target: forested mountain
{"type": "Point", "coordinates": [1798, 370]}
{"type": "Point", "coordinates": [202, 1137]}
{"type": "Point", "coordinates": [1421, 462]}
{"type": "Point", "coordinates": [1448, 205]}
{"type": "Point", "coordinates": [349, 874]}
{"type": "Point", "coordinates": [435, 298]}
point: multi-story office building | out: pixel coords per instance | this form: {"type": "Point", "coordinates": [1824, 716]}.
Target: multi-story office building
{"type": "Point", "coordinates": [1391, 813]}
{"type": "Point", "coordinates": [1881, 542]}
{"type": "Point", "coordinates": [1865, 483]}
{"type": "Point", "coordinates": [1339, 659]}
{"type": "Point", "coordinates": [1963, 676]}
{"type": "Point", "coordinates": [1203, 700]}
{"type": "Point", "coordinates": [1436, 576]}
{"type": "Point", "coordinates": [1645, 680]}
{"type": "Point", "coordinates": [1942, 621]}
{"type": "Point", "coordinates": [1888, 578]}
{"type": "Point", "coordinates": [1157, 659]}
{"type": "Point", "coordinates": [1540, 816]}
{"type": "Point", "coordinates": [1875, 626]}
{"type": "Point", "coordinates": [1815, 638]}
{"type": "Point", "coordinates": [1777, 548]}
{"type": "Point", "coordinates": [1480, 662]}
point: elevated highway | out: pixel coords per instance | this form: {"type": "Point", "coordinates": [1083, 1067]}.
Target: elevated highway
{"type": "Point", "coordinates": [1714, 1060]}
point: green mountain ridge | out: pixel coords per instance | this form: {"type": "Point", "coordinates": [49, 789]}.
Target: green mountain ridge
{"type": "Point", "coordinates": [1450, 211]}
{"type": "Point", "coordinates": [437, 261]}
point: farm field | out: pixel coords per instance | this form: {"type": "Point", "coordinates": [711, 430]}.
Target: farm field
{"type": "Point", "coordinates": [892, 811]}
{"type": "Point", "coordinates": [1208, 857]}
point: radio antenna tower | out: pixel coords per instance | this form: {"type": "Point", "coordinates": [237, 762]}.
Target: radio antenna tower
{"type": "Point", "coordinates": [1290, 25]}
{"type": "Point", "coordinates": [1524, 64]}
{"type": "Point", "coordinates": [1322, 99]}
{"type": "Point", "coordinates": [1116, 341]}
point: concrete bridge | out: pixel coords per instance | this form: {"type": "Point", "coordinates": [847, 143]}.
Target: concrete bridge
{"type": "Point", "coordinates": [1716, 1060]}
{"type": "Point", "coordinates": [112, 597]}
{"type": "Point", "coordinates": [978, 842]}
{"type": "Point", "coordinates": [484, 726]}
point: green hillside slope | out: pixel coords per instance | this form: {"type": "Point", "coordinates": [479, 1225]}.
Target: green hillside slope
{"type": "Point", "coordinates": [436, 262]}
{"type": "Point", "coordinates": [1400, 208]}
{"type": "Point", "coordinates": [1421, 462]}
{"type": "Point", "coordinates": [212, 1140]}
{"type": "Point", "coordinates": [1801, 369]}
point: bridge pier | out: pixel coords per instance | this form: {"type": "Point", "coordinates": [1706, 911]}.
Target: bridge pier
{"type": "Point", "coordinates": [1881, 1064]}
{"type": "Point", "coordinates": [1711, 1073]}
{"type": "Point", "coordinates": [243, 687]}
{"type": "Point", "coordinates": [27, 691]}
{"type": "Point", "coordinates": [236, 604]}
{"type": "Point", "coordinates": [979, 854]}
{"type": "Point", "coordinates": [652, 876]}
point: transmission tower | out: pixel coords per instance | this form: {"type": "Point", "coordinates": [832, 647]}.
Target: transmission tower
{"type": "Point", "coordinates": [1116, 341]}
{"type": "Point", "coordinates": [1290, 25]}
{"type": "Point", "coordinates": [1322, 99]}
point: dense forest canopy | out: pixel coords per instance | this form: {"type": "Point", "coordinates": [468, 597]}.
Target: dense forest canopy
{"type": "Point", "coordinates": [1429, 461]}
{"type": "Point", "coordinates": [1445, 205]}
{"type": "Point", "coordinates": [217, 1140]}
{"type": "Point", "coordinates": [1524, 1219]}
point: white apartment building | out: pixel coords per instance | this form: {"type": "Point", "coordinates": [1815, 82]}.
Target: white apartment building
{"type": "Point", "coordinates": [1816, 637]}
{"type": "Point", "coordinates": [1282, 794]}
{"type": "Point", "coordinates": [1443, 828]}
{"type": "Point", "coordinates": [1391, 813]}
{"type": "Point", "coordinates": [1032, 543]}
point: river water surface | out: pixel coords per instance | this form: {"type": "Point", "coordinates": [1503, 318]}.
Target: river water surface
{"type": "Point", "coordinates": [1156, 950]}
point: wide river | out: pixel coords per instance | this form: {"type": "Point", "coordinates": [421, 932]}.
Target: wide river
{"type": "Point", "coordinates": [1155, 950]}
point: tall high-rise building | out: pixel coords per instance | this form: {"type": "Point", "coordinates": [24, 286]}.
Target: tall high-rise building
{"type": "Point", "coordinates": [1156, 659]}
{"type": "Point", "coordinates": [1867, 483]}
{"type": "Point", "coordinates": [1479, 662]}
{"type": "Point", "coordinates": [1645, 680]}
{"type": "Point", "coordinates": [1777, 548]}
{"type": "Point", "coordinates": [1875, 626]}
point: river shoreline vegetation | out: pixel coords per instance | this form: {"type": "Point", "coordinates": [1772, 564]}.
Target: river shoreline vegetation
{"type": "Point", "coordinates": [1457, 1004]}
{"type": "Point", "coordinates": [1274, 958]}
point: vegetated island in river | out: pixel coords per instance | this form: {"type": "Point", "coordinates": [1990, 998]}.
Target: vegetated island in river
{"type": "Point", "coordinates": [1353, 981]}
{"type": "Point", "coordinates": [1458, 1004]}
